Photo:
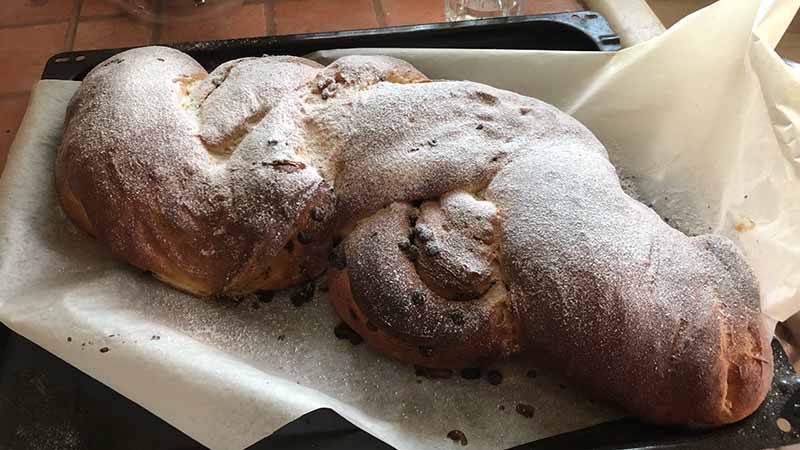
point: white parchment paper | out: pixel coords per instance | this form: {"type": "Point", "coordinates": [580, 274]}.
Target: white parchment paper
{"type": "Point", "coordinates": [705, 118]}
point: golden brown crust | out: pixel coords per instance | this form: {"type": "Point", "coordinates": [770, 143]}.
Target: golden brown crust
{"type": "Point", "coordinates": [476, 223]}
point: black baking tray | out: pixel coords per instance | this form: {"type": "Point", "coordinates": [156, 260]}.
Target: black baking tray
{"type": "Point", "coordinates": [580, 31]}
{"type": "Point", "coordinates": [46, 403]}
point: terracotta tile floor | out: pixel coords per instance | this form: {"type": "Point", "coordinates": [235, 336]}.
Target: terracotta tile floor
{"type": "Point", "coordinates": [33, 30]}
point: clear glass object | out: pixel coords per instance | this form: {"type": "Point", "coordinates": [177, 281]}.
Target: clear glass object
{"type": "Point", "coordinates": [480, 9]}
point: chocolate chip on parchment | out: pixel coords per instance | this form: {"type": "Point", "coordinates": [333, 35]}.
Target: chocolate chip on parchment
{"type": "Point", "coordinates": [494, 377]}
{"type": "Point", "coordinates": [155, 338]}
{"type": "Point", "coordinates": [265, 296]}
{"type": "Point", "coordinates": [281, 337]}
{"type": "Point", "coordinates": [457, 436]}
{"type": "Point", "coordinates": [343, 331]}
{"type": "Point", "coordinates": [428, 372]}
{"type": "Point", "coordinates": [479, 127]}
{"type": "Point", "coordinates": [103, 349]}
{"type": "Point", "coordinates": [525, 410]}
{"type": "Point", "coordinates": [302, 295]}
{"type": "Point", "coordinates": [69, 339]}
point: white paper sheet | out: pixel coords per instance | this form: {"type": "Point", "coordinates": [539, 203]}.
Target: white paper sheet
{"type": "Point", "coordinates": [705, 117]}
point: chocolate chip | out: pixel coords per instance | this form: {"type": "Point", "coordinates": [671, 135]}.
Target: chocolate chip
{"type": "Point", "coordinates": [272, 142]}
{"type": "Point", "coordinates": [281, 337]}
{"type": "Point", "coordinates": [423, 233]}
{"type": "Point", "coordinates": [404, 245]}
{"type": "Point", "coordinates": [338, 260]}
{"type": "Point", "coordinates": [525, 410]}
{"type": "Point", "coordinates": [501, 408]}
{"type": "Point", "coordinates": [457, 436]}
{"type": "Point", "coordinates": [303, 295]}
{"type": "Point", "coordinates": [457, 317]}
{"type": "Point", "coordinates": [433, 143]}
{"type": "Point", "coordinates": [160, 59]}
{"type": "Point", "coordinates": [303, 238]}
{"type": "Point", "coordinates": [432, 249]}
{"type": "Point", "coordinates": [155, 338]}
{"type": "Point", "coordinates": [426, 351]}
{"type": "Point", "coordinates": [69, 339]}
{"type": "Point", "coordinates": [418, 297]}
{"type": "Point", "coordinates": [414, 149]}
{"type": "Point", "coordinates": [524, 111]}
{"type": "Point", "coordinates": [265, 296]}
{"type": "Point", "coordinates": [431, 373]}
{"type": "Point", "coordinates": [471, 373]}
{"type": "Point", "coordinates": [531, 373]}
{"type": "Point", "coordinates": [317, 214]}
{"type": "Point", "coordinates": [494, 377]}
{"type": "Point", "coordinates": [103, 349]}
{"type": "Point", "coordinates": [479, 127]}
{"type": "Point", "coordinates": [343, 331]}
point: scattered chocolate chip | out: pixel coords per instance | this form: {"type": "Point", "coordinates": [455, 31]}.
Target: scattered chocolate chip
{"type": "Point", "coordinates": [494, 377]}
{"type": "Point", "coordinates": [432, 249]}
{"type": "Point", "coordinates": [111, 335]}
{"type": "Point", "coordinates": [433, 143]}
{"type": "Point", "coordinates": [495, 158]}
{"type": "Point", "coordinates": [343, 331]}
{"type": "Point", "coordinates": [160, 59]}
{"type": "Point", "coordinates": [265, 296]}
{"type": "Point", "coordinates": [281, 337]}
{"type": "Point", "coordinates": [423, 233]}
{"type": "Point", "coordinates": [103, 349]}
{"type": "Point", "coordinates": [457, 317]}
{"type": "Point", "coordinates": [525, 410]}
{"type": "Point", "coordinates": [479, 127]}
{"type": "Point", "coordinates": [426, 351]}
{"type": "Point", "coordinates": [303, 238]}
{"type": "Point", "coordinates": [418, 297]}
{"type": "Point", "coordinates": [69, 339]}
{"type": "Point", "coordinates": [457, 436]}
{"type": "Point", "coordinates": [337, 259]}
{"type": "Point", "coordinates": [532, 373]}
{"type": "Point", "coordinates": [303, 295]}
{"type": "Point", "coordinates": [431, 373]}
{"type": "Point", "coordinates": [317, 214]}
{"type": "Point", "coordinates": [524, 111]}
{"type": "Point", "coordinates": [745, 196]}
{"type": "Point", "coordinates": [471, 373]}
{"type": "Point", "coordinates": [290, 246]}
{"type": "Point", "coordinates": [272, 142]}
{"type": "Point", "coordinates": [501, 408]}
{"type": "Point", "coordinates": [414, 149]}
{"type": "Point", "coordinates": [155, 337]}
{"type": "Point", "coordinates": [371, 327]}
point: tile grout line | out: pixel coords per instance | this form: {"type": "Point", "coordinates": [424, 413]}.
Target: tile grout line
{"type": "Point", "coordinates": [269, 12]}
{"type": "Point", "coordinates": [380, 14]}
{"type": "Point", "coordinates": [72, 28]}
{"type": "Point", "coordinates": [155, 35]}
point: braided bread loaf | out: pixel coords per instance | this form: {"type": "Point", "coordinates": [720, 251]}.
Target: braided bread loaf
{"type": "Point", "coordinates": [460, 224]}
